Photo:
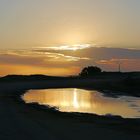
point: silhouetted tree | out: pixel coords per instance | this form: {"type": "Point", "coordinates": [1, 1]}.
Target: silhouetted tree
{"type": "Point", "coordinates": [90, 71]}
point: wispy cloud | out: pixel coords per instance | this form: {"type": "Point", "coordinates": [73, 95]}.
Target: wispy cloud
{"type": "Point", "coordinates": [67, 62]}
{"type": "Point", "coordinates": [66, 47]}
{"type": "Point", "coordinates": [34, 62]}
{"type": "Point", "coordinates": [36, 57]}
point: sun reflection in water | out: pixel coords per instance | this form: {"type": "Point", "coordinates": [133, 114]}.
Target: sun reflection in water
{"type": "Point", "coordinates": [75, 99]}
{"type": "Point", "coordinates": [89, 101]}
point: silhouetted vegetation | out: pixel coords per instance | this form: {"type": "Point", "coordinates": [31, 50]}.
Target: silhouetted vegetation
{"type": "Point", "coordinates": [90, 71]}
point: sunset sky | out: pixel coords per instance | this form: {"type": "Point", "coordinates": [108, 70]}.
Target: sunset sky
{"type": "Point", "coordinates": [59, 37]}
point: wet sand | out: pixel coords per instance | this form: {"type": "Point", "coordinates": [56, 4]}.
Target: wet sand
{"type": "Point", "coordinates": [23, 121]}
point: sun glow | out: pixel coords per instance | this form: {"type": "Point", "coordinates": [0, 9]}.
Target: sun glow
{"type": "Point", "coordinates": [67, 47]}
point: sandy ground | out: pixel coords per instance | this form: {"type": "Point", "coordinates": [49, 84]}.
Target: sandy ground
{"type": "Point", "coordinates": [22, 121]}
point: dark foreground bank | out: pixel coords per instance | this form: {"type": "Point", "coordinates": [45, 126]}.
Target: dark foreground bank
{"type": "Point", "coordinates": [23, 121]}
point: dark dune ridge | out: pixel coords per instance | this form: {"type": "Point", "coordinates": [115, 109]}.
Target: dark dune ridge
{"type": "Point", "coordinates": [123, 83]}
{"type": "Point", "coordinates": [30, 121]}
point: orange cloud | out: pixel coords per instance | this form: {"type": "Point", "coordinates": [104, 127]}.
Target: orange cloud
{"type": "Point", "coordinates": [67, 62]}
{"type": "Point", "coordinates": [126, 64]}
{"type": "Point", "coordinates": [6, 69]}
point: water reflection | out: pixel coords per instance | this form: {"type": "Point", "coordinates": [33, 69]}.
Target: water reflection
{"type": "Point", "coordinates": [89, 101]}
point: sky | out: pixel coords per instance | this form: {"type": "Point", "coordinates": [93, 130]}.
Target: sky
{"type": "Point", "coordinates": [59, 37]}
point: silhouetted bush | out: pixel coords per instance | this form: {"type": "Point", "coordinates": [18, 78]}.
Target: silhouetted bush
{"type": "Point", "coordinates": [90, 71]}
